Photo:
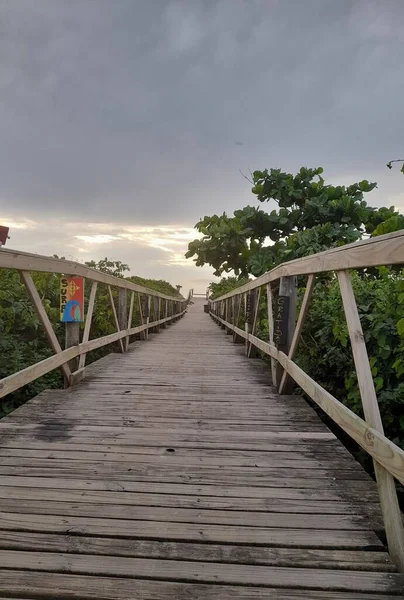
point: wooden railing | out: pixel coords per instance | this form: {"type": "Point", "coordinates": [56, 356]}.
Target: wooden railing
{"type": "Point", "coordinates": [284, 335]}
{"type": "Point", "coordinates": [71, 360]}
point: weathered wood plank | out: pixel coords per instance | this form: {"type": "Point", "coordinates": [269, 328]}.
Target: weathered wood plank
{"type": "Point", "coordinates": [233, 534]}
{"type": "Point", "coordinates": [170, 473]}
{"type": "Point", "coordinates": [303, 505]}
{"type": "Point", "coordinates": [187, 515]}
{"type": "Point", "coordinates": [204, 572]}
{"type": "Point", "coordinates": [259, 555]}
{"type": "Point", "coordinates": [58, 586]}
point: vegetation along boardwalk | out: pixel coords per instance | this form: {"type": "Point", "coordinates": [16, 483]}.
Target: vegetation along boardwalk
{"type": "Point", "coordinates": [175, 470]}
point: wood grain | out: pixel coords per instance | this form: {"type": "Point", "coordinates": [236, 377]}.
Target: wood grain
{"type": "Point", "coordinates": [177, 472]}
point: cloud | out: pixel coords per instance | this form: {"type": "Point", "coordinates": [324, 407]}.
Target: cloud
{"type": "Point", "coordinates": [140, 114]}
{"type": "Point", "coordinates": [155, 252]}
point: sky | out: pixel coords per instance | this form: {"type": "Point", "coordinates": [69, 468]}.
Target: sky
{"type": "Point", "coordinates": [123, 122]}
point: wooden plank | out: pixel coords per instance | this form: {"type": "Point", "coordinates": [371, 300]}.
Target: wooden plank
{"type": "Point", "coordinates": [189, 462]}
{"type": "Point", "coordinates": [188, 515]}
{"type": "Point", "coordinates": [205, 572]}
{"type": "Point", "coordinates": [89, 317]}
{"type": "Point", "coordinates": [59, 586]}
{"type": "Point", "coordinates": [233, 534]}
{"type": "Point", "coordinates": [305, 505]}
{"type": "Point", "coordinates": [385, 482]}
{"type": "Point", "coordinates": [189, 457]}
{"type": "Point", "coordinates": [199, 489]}
{"type": "Point", "coordinates": [297, 557]}
{"type": "Point", "coordinates": [205, 475]}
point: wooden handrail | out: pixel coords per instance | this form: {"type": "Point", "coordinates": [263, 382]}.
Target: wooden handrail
{"type": "Point", "coordinates": [166, 308]}
{"type": "Point", "coordinates": [383, 250]}
{"type": "Point", "coordinates": [380, 251]}
{"type": "Point", "coordinates": [23, 261]}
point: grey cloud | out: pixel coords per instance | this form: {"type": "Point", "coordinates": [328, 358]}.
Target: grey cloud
{"type": "Point", "coordinates": [131, 111]}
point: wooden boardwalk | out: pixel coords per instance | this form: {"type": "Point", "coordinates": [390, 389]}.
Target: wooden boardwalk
{"type": "Point", "coordinates": [174, 472]}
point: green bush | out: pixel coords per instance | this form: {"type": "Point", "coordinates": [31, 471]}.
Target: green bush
{"type": "Point", "coordinates": [325, 351]}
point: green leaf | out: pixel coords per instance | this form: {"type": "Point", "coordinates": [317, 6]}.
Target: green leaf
{"type": "Point", "coordinates": [378, 381]}
{"type": "Point", "coordinates": [365, 186]}
{"type": "Point", "coordinates": [400, 327]}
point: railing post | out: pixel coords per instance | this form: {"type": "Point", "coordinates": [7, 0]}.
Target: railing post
{"type": "Point", "coordinates": [156, 313]}
{"type": "Point", "coordinates": [169, 310]}
{"type": "Point", "coordinates": [115, 315]}
{"type": "Point", "coordinates": [286, 382]}
{"type": "Point", "coordinates": [142, 318]}
{"type": "Point", "coordinates": [285, 323]}
{"type": "Point", "coordinates": [252, 350]}
{"type": "Point", "coordinates": [87, 325]}
{"type": "Point", "coordinates": [236, 314]}
{"type": "Point", "coordinates": [222, 312]}
{"type": "Point", "coordinates": [250, 310]}
{"type": "Point", "coordinates": [271, 327]}
{"type": "Point", "coordinates": [132, 301]}
{"type": "Point", "coordinates": [385, 482]}
{"type": "Point", "coordinates": [165, 312]}
{"type": "Point", "coordinates": [159, 303]}
{"type": "Point", "coordinates": [122, 313]}
{"type": "Point", "coordinates": [72, 338]}
{"type": "Point", "coordinates": [229, 316]}
{"type": "Point", "coordinates": [147, 314]}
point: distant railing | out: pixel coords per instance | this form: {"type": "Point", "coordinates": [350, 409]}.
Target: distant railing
{"type": "Point", "coordinates": [284, 335]}
{"type": "Point", "coordinates": [165, 309]}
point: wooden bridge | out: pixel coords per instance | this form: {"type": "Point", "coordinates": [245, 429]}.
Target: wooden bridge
{"type": "Point", "coordinates": [175, 469]}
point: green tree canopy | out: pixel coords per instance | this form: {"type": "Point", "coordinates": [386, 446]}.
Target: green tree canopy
{"type": "Point", "coordinates": [311, 216]}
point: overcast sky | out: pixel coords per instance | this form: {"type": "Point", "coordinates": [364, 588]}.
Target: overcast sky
{"type": "Point", "coordinates": [122, 122]}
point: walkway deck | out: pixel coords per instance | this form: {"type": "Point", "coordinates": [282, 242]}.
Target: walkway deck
{"type": "Point", "coordinates": [175, 472]}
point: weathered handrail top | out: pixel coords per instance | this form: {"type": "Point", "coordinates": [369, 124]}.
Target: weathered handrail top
{"type": "Point", "coordinates": [385, 249]}
{"type": "Point", "coordinates": [25, 261]}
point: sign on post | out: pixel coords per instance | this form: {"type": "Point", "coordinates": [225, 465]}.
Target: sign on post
{"type": "Point", "coordinates": [281, 323]}
{"type": "Point", "coordinates": [72, 299]}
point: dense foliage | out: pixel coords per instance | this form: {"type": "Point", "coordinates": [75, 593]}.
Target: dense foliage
{"type": "Point", "coordinates": [325, 351]}
{"type": "Point", "coordinates": [311, 216]}
{"type": "Point", "coordinates": [225, 285]}
{"type": "Point", "coordinates": [22, 339]}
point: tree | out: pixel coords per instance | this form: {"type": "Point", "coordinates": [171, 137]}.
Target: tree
{"type": "Point", "coordinates": [311, 216]}
{"type": "Point", "coordinates": [225, 285]}
{"type": "Point", "coordinates": [112, 267]}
